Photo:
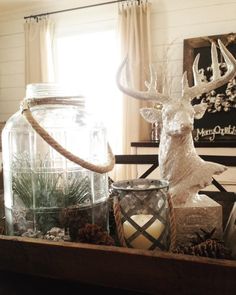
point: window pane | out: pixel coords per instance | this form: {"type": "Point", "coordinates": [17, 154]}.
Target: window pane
{"type": "Point", "coordinates": [89, 62]}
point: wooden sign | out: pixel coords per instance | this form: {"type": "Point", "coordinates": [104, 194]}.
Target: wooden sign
{"type": "Point", "coordinates": [218, 125]}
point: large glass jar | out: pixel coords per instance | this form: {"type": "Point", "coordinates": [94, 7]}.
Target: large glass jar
{"type": "Point", "coordinates": [46, 190]}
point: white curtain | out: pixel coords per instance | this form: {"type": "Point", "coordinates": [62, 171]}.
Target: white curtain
{"type": "Point", "coordinates": [39, 51]}
{"type": "Point", "coordinates": [134, 28]}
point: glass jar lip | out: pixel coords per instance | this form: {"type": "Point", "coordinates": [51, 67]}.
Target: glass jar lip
{"type": "Point", "coordinates": [140, 185]}
{"type": "Point", "coordinates": [51, 90]}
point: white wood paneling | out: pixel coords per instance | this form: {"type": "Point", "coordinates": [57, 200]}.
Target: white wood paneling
{"type": "Point", "coordinates": [10, 27]}
{"type": "Point", "coordinates": [172, 21]}
{"type": "Point", "coordinates": [12, 54]}
{"type": "Point", "coordinates": [11, 94]}
{"type": "Point", "coordinates": [173, 5]}
{"type": "Point", "coordinates": [208, 14]}
{"type": "Point", "coordinates": [12, 81]}
{"type": "Point", "coordinates": [9, 107]}
{"type": "Point", "coordinates": [12, 67]}
{"type": "Point", "coordinates": [11, 41]}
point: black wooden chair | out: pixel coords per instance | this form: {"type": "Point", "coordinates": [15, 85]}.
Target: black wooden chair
{"type": "Point", "coordinates": [220, 195]}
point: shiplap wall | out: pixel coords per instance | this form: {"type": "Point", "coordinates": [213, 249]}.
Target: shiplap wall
{"type": "Point", "coordinates": [12, 78]}
{"type": "Point", "coordinates": [11, 66]}
{"type": "Point", "coordinates": [172, 21]}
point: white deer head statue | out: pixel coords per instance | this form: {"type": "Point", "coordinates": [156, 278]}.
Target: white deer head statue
{"type": "Point", "coordinates": [179, 163]}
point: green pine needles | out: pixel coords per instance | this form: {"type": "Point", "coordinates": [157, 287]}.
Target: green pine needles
{"type": "Point", "coordinates": [37, 185]}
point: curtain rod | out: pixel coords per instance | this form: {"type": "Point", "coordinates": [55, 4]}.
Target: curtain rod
{"type": "Point", "coordinates": [75, 8]}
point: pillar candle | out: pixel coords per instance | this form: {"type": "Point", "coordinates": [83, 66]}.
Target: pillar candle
{"type": "Point", "coordinates": [141, 242]}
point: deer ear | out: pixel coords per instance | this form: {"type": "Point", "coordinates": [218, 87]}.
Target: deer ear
{"type": "Point", "coordinates": [151, 115]}
{"type": "Point", "coordinates": [199, 110]}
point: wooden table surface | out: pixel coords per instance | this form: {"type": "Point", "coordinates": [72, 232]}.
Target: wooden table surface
{"type": "Point", "coordinates": [17, 284]}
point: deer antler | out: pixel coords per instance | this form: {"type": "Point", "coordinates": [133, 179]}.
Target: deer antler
{"type": "Point", "coordinates": [217, 80]}
{"type": "Point", "coordinates": [150, 95]}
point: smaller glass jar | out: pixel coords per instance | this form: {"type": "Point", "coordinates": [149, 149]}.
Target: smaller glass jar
{"type": "Point", "coordinates": [144, 213]}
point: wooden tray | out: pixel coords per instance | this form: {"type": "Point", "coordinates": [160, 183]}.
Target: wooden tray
{"type": "Point", "coordinates": [115, 267]}
{"type": "Point", "coordinates": [145, 271]}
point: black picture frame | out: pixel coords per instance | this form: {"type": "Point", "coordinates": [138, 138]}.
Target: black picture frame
{"type": "Point", "coordinates": [217, 128]}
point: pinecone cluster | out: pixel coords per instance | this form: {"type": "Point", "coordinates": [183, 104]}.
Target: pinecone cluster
{"type": "Point", "coordinates": [2, 230]}
{"type": "Point", "coordinates": [204, 245]}
{"type": "Point", "coordinates": [81, 230]}
{"type": "Point", "coordinates": [75, 219]}
{"type": "Point", "coordinates": [94, 234]}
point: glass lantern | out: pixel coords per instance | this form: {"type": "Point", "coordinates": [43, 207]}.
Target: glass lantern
{"type": "Point", "coordinates": [144, 213]}
{"type": "Point", "coordinates": [44, 191]}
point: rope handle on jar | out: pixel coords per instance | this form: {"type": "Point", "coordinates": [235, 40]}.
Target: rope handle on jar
{"type": "Point", "coordinates": [119, 226]}
{"type": "Point", "coordinates": [172, 222]}
{"type": "Point", "coordinates": [25, 111]}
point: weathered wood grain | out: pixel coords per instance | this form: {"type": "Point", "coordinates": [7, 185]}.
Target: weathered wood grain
{"type": "Point", "coordinates": [141, 270]}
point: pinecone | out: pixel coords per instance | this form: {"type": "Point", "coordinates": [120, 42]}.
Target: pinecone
{"type": "Point", "coordinates": [74, 220]}
{"type": "Point", "coordinates": [209, 248]}
{"type": "Point", "coordinates": [204, 245]}
{"type": "Point", "coordinates": [2, 230]}
{"type": "Point", "coordinates": [203, 236]}
{"type": "Point", "coordinates": [93, 234]}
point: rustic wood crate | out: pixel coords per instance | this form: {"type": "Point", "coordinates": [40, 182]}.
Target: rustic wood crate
{"type": "Point", "coordinates": [151, 272]}
{"type": "Point", "coordinates": [116, 267]}
{"type": "Point", "coordinates": [145, 271]}
{"type": "Point", "coordinates": [2, 124]}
